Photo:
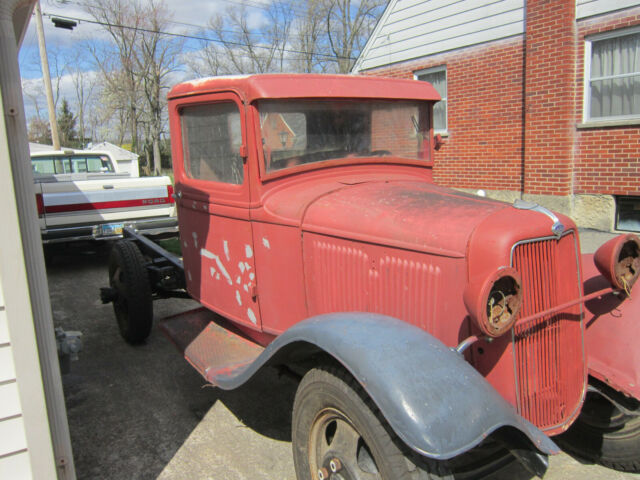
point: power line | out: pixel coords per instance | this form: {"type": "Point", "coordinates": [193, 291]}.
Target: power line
{"type": "Point", "coordinates": [196, 37]}
{"type": "Point", "coordinates": [300, 12]}
{"type": "Point", "coordinates": [201, 27]}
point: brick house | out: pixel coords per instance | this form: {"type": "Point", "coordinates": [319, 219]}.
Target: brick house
{"type": "Point", "coordinates": [541, 98]}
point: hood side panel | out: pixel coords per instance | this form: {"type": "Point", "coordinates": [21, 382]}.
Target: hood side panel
{"type": "Point", "coordinates": [348, 276]}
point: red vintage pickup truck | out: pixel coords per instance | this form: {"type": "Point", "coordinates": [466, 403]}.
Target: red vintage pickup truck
{"type": "Point", "coordinates": [432, 330]}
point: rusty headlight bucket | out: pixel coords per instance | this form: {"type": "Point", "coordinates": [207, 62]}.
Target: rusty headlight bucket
{"type": "Point", "coordinates": [618, 260]}
{"type": "Point", "coordinates": [495, 302]}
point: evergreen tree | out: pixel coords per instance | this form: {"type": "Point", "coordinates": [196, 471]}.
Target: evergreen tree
{"type": "Point", "coordinates": [67, 126]}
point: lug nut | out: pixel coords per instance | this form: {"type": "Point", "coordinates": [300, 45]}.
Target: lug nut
{"type": "Point", "coordinates": [323, 474]}
{"type": "Point", "coordinates": [335, 465]}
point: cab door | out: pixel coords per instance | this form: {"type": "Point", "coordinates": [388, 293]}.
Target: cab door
{"type": "Point", "coordinates": [212, 189]}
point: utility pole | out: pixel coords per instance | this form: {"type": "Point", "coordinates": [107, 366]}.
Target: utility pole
{"type": "Point", "coordinates": [46, 77]}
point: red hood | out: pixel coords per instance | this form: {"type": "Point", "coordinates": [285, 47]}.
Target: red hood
{"type": "Point", "coordinates": [406, 214]}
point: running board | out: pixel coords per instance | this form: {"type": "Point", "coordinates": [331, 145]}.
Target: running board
{"type": "Point", "coordinates": [214, 351]}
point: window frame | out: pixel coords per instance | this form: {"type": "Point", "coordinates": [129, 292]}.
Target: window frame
{"type": "Point", "coordinates": [622, 201]}
{"type": "Point", "coordinates": [427, 71]}
{"type": "Point", "coordinates": [588, 48]}
{"type": "Point", "coordinates": [215, 99]}
{"type": "Point", "coordinates": [266, 176]}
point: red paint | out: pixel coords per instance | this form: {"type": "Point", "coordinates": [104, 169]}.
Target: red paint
{"type": "Point", "coordinates": [612, 332]}
{"type": "Point", "coordinates": [40, 204]}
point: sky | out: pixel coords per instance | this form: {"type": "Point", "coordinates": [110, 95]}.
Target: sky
{"type": "Point", "coordinates": [188, 17]}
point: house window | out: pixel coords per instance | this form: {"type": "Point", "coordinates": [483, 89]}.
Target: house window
{"type": "Point", "coordinates": [613, 76]}
{"type": "Point", "coordinates": [438, 78]}
{"type": "Point", "coordinates": [628, 213]}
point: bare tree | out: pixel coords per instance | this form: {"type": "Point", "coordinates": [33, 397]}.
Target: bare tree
{"type": "Point", "coordinates": [309, 39]}
{"type": "Point", "coordinates": [349, 24]}
{"type": "Point", "coordinates": [156, 61]}
{"type": "Point", "coordinates": [136, 67]}
{"type": "Point", "coordinates": [310, 36]}
{"type": "Point", "coordinates": [235, 47]}
{"type": "Point", "coordinates": [84, 83]}
{"type": "Point", "coordinates": [122, 19]}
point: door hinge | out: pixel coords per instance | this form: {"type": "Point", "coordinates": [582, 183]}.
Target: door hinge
{"type": "Point", "coordinates": [254, 292]}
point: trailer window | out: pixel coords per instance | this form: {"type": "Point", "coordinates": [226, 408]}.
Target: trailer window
{"type": "Point", "coordinates": [211, 142]}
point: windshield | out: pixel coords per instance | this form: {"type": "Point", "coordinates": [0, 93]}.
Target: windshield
{"type": "Point", "coordinates": [296, 132]}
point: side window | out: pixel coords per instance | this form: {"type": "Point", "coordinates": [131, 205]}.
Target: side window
{"type": "Point", "coordinates": [43, 166]}
{"type": "Point", "coordinates": [211, 142]}
{"type": "Point", "coordinates": [438, 78]}
{"type": "Point", "coordinates": [79, 165]}
{"type": "Point", "coordinates": [613, 76]}
{"type": "Point", "coordinates": [99, 164]}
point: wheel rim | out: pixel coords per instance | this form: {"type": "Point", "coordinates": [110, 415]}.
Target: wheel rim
{"type": "Point", "coordinates": [337, 451]}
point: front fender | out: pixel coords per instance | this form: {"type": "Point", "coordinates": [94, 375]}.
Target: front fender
{"type": "Point", "coordinates": [612, 331]}
{"type": "Point", "coordinates": [436, 402]}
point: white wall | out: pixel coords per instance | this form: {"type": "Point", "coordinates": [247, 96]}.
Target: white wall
{"type": "Point", "coordinates": [588, 8]}
{"type": "Point", "coordinates": [416, 28]}
{"type": "Point", "coordinates": [410, 29]}
{"type": "Point", "coordinates": [15, 462]}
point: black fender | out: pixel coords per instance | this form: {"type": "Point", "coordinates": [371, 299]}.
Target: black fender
{"type": "Point", "coordinates": [434, 400]}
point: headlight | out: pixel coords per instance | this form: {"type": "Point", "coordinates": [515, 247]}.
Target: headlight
{"type": "Point", "coordinates": [495, 302]}
{"type": "Point", "coordinates": [618, 260]}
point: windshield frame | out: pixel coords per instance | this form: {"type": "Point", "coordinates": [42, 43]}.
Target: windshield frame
{"type": "Point", "coordinates": [343, 161]}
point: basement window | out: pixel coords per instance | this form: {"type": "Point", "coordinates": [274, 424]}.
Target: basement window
{"type": "Point", "coordinates": [612, 76]}
{"type": "Point", "coordinates": [628, 214]}
{"type": "Point", "coordinates": [438, 78]}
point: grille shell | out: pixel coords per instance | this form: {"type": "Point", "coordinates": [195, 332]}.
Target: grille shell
{"type": "Point", "coordinates": [549, 360]}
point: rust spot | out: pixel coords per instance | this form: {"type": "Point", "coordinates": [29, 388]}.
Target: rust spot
{"type": "Point", "coordinates": [627, 267]}
{"type": "Point", "coordinates": [503, 303]}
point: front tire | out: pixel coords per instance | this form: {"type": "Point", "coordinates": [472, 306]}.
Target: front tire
{"type": "Point", "coordinates": [338, 433]}
{"type": "Point", "coordinates": [604, 434]}
{"type": "Point", "coordinates": [133, 305]}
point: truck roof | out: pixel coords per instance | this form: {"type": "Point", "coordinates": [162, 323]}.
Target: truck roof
{"type": "Point", "coordinates": [255, 87]}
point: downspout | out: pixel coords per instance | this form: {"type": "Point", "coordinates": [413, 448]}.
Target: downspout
{"type": "Point", "coordinates": [16, 130]}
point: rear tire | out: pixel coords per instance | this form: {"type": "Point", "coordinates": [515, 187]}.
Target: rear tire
{"type": "Point", "coordinates": [335, 424]}
{"type": "Point", "coordinates": [605, 435]}
{"type": "Point", "coordinates": [133, 306]}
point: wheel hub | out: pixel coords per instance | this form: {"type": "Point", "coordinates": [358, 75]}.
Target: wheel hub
{"type": "Point", "coordinates": [337, 451]}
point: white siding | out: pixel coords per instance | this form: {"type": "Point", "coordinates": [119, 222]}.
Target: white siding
{"type": "Point", "coordinates": [12, 437]}
{"type": "Point", "coordinates": [415, 28]}
{"type": "Point", "coordinates": [16, 467]}
{"type": "Point", "coordinates": [14, 458]}
{"type": "Point", "coordinates": [588, 8]}
{"type": "Point", "coordinates": [7, 370]}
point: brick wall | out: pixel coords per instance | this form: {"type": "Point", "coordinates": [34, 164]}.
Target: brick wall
{"type": "Point", "coordinates": [487, 147]}
{"type": "Point", "coordinates": [549, 96]}
{"type": "Point", "coordinates": [484, 148]}
{"type": "Point", "coordinates": [607, 160]}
